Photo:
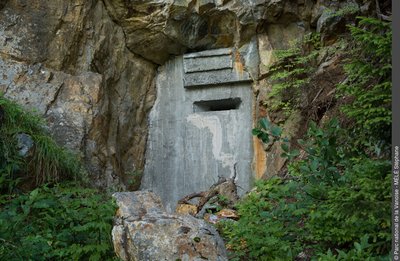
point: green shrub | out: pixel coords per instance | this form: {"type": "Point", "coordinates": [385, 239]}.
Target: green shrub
{"type": "Point", "coordinates": [360, 251]}
{"type": "Point", "coordinates": [330, 200]}
{"type": "Point", "coordinates": [348, 9]}
{"type": "Point", "coordinates": [356, 207]}
{"type": "Point", "coordinates": [267, 229]}
{"type": "Point", "coordinates": [292, 71]}
{"type": "Point", "coordinates": [368, 81]}
{"type": "Point", "coordinates": [57, 223]}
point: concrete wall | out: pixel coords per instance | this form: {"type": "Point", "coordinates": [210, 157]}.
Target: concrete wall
{"type": "Point", "coordinates": [200, 126]}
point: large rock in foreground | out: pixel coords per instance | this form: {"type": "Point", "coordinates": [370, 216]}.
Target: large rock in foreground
{"type": "Point", "coordinates": [145, 231]}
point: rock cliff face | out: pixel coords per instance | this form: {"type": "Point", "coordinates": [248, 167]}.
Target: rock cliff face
{"type": "Point", "coordinates": [69, 61]}
{"type": "Point", "coordinates": [89, 66]}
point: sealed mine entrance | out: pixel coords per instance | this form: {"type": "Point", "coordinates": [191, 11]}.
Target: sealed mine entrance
{"type": "Point", "coordinates": [200, 126]}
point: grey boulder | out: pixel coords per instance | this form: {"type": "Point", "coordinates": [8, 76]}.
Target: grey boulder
{"type": "Point", "coordinates": [143, 230]}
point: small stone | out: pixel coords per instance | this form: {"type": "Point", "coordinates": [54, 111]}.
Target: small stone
{"type": "Point", "coordinates": [186, 209]}
{"type": "Point", "coordinates": [24, 144]}
{"type": "Point", "coordinates": [227, 213]}
{"type": "Point", "coordinates": [211, 218]}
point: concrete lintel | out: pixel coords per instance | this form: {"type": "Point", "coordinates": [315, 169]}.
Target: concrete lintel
{"type": "Point", "coordinates": [207, 63]}
{"type": "Point", "coordinates": [209, 53]}
{"type": "Point", "coordinates": [216, 77]}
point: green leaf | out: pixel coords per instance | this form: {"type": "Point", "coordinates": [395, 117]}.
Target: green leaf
{"type": "Point", "coordinates": [264, 137]}
{"type": "Point", "coordinates": [256, 131]}
{"type": "Point", "coordinates": [358, 246]}
{"type": "Point", "coordinates": [264, 123]}
{"type": "Point", "coordinates": [276, 131]}
{"type": "Point", "coordinates": [294, 153]}
{"type": "Point", "coordinates": [285, 147]}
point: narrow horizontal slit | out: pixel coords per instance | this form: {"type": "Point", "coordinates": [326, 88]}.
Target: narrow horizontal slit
{"type": "Point", "coordinates": [217, 105]}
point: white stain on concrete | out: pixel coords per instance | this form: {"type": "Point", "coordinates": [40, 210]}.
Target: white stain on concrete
{"type": "Point", "coordinates": [213, 124]}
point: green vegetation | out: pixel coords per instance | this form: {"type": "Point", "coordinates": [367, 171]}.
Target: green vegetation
{"type": "Point", "coordinates": [40, 218]}
{"type": "Point", "coordinates": [369, 81]}
{"type": "Point", "coordinates": [292, 71]}
{"type": "Point", "coordinates": [57, 223]}
{"type": "Point", "coordinates": [46, 163]}
{"type": "Point", "coordinates": [333, 202]}
{"type": "Point", "coordinates": [332, 199]}
{"type": "Point", "coordinates": [347, 9]}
